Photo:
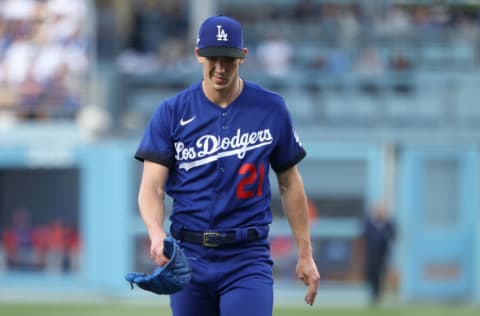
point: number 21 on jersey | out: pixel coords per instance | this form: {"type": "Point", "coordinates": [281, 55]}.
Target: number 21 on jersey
{"type": "Point", "coordinates": [251, 182]}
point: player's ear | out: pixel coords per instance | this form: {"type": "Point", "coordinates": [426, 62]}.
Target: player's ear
{"type": "Point", "coordinates": [199, 58]}
{"type": "Point", "coordinates": [245, 52]}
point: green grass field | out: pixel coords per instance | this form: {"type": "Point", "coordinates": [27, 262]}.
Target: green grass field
{"type": "Point", "coordinates": [142, 310]}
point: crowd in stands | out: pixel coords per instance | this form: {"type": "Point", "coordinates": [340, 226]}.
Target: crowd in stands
{"type": "Point", "coordinates": [328, 37]}
{"type": "Point", "coordinates": [304, 49]}
{"type": "Point", "coordinates": [44, 45]}
{"type": "Point", "coordinates": [43, 58]}
{"type": "Point", "coordinates": [27, 246]}
{"type": "Point", "coordinates": [370, 40]}
{"type": "Point", "coordinates": [157, 38]}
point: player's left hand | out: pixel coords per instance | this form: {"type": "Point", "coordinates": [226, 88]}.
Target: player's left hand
{"type": "Point", "coordinates": [307, 272]}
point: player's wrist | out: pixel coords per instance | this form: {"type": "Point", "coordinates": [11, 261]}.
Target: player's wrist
{"type": "Point", "coordinates": [306, 253]}
{"type": "Point", "coordinates": [157, 234]}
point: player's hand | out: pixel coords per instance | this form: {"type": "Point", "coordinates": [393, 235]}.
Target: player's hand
{"type": "Point", "coordinates": [307, 272]}
{"type": "Point", "coordinates": [156, 249]}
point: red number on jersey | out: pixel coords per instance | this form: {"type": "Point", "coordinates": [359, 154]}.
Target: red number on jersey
{"type": "Point", "coordinates": [250, 176]}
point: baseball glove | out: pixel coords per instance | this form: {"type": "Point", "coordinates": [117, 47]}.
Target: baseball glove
{"type": "Point", "coordinates": [167, 279]}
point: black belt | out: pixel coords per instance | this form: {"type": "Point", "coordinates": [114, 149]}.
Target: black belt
{"type": "Point", "coordinates": [217, 238]}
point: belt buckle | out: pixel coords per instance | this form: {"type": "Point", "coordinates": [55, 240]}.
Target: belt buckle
{"type": "Point", "coordinates": [206, 239]}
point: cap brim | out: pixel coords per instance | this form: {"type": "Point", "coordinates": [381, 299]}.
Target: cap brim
{"type": "Point", "coordinates": [221, 51]}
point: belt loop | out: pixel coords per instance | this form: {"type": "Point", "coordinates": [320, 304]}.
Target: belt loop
{"type": "Point", "coordinates": [244, 234]}
{"type": "Point", "coordinates": [176, 231]}
{"type": "Point", "coordinates": [262, 231]}
{"type": "Point", "coordinates": [239, 234]}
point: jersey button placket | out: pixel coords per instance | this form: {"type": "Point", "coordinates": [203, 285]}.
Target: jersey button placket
{"type": "Point", "coordinates": [223, 131]}
{"type": "Point", "coordinates": [223, 121]}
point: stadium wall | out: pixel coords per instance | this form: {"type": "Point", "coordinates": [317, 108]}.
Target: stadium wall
{"type": "Point", "coordinates": [113, 237]}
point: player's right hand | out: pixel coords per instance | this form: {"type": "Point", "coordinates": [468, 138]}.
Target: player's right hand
{"type": "Point", "coordinates": [156, 249]}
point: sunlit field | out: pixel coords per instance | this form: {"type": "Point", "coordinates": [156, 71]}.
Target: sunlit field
{"type": "Point", "coordinates": [142, 310]}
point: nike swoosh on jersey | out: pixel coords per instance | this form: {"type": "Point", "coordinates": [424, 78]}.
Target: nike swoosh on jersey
{"type": "Point", "coordinates": [183, 123]}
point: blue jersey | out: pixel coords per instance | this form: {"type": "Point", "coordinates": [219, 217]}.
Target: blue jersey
{"type": "Point", "coordinates": [219, 158]}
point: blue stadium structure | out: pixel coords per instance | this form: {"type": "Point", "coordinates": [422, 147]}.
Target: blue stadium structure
{"type": "Point", "coordinates": [383, 93]}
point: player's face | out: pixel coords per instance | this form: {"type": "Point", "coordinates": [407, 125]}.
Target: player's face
{"type": "Point", "coordinates": [220, 72]}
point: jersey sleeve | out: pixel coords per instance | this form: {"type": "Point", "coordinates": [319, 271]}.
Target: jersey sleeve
{"type": "Point", "coordinates": [156, 144]}
{"type": "Point", "coordinates": [288, 150]}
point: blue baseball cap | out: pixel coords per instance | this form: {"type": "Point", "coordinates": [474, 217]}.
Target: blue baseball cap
{"type": "Point", "coordinates": [220, 36]}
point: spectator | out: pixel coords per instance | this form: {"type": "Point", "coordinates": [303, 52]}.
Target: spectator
{"type": "Point", "coordinates": [31, 95]}
{"type": "Point", "coordinates": [42, 46]}
{"type": "Point", "coordinates": [275, 55]}
{"type": "Point", "coordinates": [369, 63]}
{"type": "Point", "coordinates": [18, 241]}
{"type": "Point", "coordinates": [306, 11]}
{"type": "Point", "coordinates": [378, 234]}
{"type": "Point", "coordinates": [396, 21]}
{"type": "Point", "coordinates": [400, 61]}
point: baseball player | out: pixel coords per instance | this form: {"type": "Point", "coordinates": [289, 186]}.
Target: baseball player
{"type": "Point", "coordinates": [210, 148]}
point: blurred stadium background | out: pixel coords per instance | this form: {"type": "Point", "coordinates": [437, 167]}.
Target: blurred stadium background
{"type": "Point", "coordinates": [385, 96]}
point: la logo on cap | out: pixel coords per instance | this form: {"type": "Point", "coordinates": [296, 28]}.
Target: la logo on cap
{"type": "Point", "coordinates": [221, 34]}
